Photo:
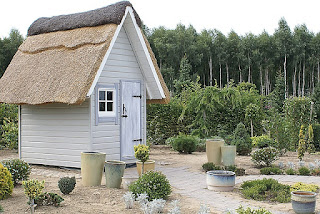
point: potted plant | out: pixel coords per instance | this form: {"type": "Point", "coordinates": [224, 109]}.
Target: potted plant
{"type": "Point", "coordinates": [303, 201]}
{"type": "Point", "coordinates": [141, 152]}
{"type": "Point", "coordinates": [92, 164]}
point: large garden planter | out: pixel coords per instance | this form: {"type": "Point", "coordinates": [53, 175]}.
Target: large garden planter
{"type": "Point", "coordinates": [220, 180]}
{"type": "Point", "coordinates": [213, 150]}
{"type": "Point", "coordinates": [228, 154]}
{"type": "Point", "coordinates": [92, 164]}
{"type": "Point", "coordinates": [303, 202]}
{"type": "Point", "coordinates": [126, 181]}
{"type": "Point", "coordinates": [114, 171]}
{"type": "Point", "coordinates": [148, 166]}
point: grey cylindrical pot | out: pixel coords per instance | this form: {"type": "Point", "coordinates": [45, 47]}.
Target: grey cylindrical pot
{"type": "Point", "coordinates": [228, 154]}
{"type": "Point", "coordinates": [303, 202]}
{"type": "Point", "coordinates": [114, 171]}
{"type": "Point", "coordinates": [92, 168]}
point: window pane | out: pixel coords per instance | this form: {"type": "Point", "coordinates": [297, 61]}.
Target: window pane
{"type": "Point", "coordinates": [102, 106]}
{"type": "Point", "coordinates": [102, 95]}
{"type": "Point", "coordinates": [109, 106]}
{"type": "Point", "coordinates": [109, 95]}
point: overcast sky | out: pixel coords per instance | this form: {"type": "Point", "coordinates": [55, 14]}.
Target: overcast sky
{"type": "Point", "coordinates": [243, 16]}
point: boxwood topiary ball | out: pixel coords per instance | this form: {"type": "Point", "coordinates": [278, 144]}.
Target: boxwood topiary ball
{"type": "Point", "coordinates": [66, 184]}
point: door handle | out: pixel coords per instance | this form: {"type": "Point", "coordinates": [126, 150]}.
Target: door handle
{"type": "Point", "coordinates": [124, 111]}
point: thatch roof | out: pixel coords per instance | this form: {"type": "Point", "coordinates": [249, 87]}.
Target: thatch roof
{"type": "Point", "coordinates": [60, 66]}
{"type": "Point", "coordinates": [111, 14]}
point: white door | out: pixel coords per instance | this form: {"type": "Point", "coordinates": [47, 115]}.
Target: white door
{"type": "Point", "coordinates": [130, 118]}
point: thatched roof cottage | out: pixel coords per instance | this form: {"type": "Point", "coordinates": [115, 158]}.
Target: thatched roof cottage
{"type": "Point", "coordinates": [82, 82]}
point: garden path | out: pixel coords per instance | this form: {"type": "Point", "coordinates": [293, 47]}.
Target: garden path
{"type": "Point", "coordinates": [193, 185]}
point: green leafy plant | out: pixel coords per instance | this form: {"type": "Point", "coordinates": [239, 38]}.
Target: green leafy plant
{"type": "Point", "coordinates": [19, 169]}
{"type": "Point", "coordinates": [304, 187]}
{"type": "Point", "coordinates": [154, 184]}
{"type": "Point", "coordinates": [265, 156]}
{"type": "Point", "coordinates": [270, 171]}
{"type": "Point", "coordinates": [291, 171]}
{"type": "Point", "coordinates": [48, 198]}
{"type": "Point", "coordinates": [66, 184]}
{"type": "Point", "coordinates": [6, 183]}
{"type": "Point", "coordinates": [304, 171]}
{"type": "Point", "coordinates": [310, 142]}
{"type": "Point", "coordinates": [266, 189]}
{"type": "Point", "coordinates": [141, 152]}
{"type": "Point", "coordinates": [242, 140]}
{"type": "Point", "coordinates": [10, 134]}
{"type": "Point", "coordinates": [209, 166]}
{"type": "Point", "coordinates": [185, 143]}
{"type": "Point", "coordinates": [302, 143]}
{"type": "Point", "coordinates": [242, 210]}
{"type": "Point", "coordinates": [32, 188]}
{"type": "Point", "coordinates": [1, 209]}
{"type": "Point", "coordinates": [262, 141]}
{"type": "Point", "coordinates": [315, 172]}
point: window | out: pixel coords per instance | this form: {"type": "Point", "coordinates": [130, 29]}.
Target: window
{"type": "Point", "coordinates": [107, 102]}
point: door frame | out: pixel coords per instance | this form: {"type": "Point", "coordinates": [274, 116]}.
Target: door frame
{"type": "Point", "coordinates": [141, 116]}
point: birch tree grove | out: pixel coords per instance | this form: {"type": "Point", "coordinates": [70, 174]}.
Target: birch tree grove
{"type": "Point", "coordinates": [218, 59]}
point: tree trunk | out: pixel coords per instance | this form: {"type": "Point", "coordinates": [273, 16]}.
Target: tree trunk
{"type": "Point", "coordinates": [227, 68]}
{"type": "Point", "coordinates": [251, 128]}
{"type": "Point", "coordinates": [220, 73]}
{"type": "Point", "coordinates": [318, 71]}
{"type": "Point", "coordinates": [312, 80]}
{"type": "Point", "coordinates": [204, 80]}
{"type": "Point", "coordinates": [285, 76]}
{"type": "Point", "coordinates": [303, 79]}
{"type": "Point", "coordinates": [299, 81]}
{"type": "Point", "coordinates": [249, 70]}
{"type": "Point", "coordinates": [210, 67]}
{"type": "Point", "coordinates": [261, 83]}
{"type": "Point", "coordinates": [294, 84]}
{"type": "Point", "coordinates": [240, 73]}
{"type": "Point", "coordinates": [266, 81]}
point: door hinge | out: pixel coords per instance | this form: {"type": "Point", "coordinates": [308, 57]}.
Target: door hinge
{"type": "Point", "coordinates": [137, 96]}
{"type": "Point", "coordinates": [124, 115]}
{"type": "Point", "coordinates": [137, 139]}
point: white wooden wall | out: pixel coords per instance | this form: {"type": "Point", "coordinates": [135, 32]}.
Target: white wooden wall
{"type": "Point", "coordinates": [121, 65]}
{"type": "Point", "coordinates": [54, 134]}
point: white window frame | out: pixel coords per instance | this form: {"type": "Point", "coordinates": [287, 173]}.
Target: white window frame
{"type": "Point", "coordinates": [106, 117]}
{"type": "Point", "coordinates": [107, 113]}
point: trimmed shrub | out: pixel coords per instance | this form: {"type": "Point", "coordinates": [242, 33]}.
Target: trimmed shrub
{"type": "Point", "coordinates": [47, 199]}
{"type": "Point", "coordinates": [210, 166]}
{"type": "Point", "coordinates": [266, 189]}
{"type": "Point", "coordinates": [6, 183]}
{"type": "Point", "coordinates": [265, 156]}
{"type": "Point", "coordinates": [154, 184]}
{"type": "Point", "coordinates": [240, 171]}
{"type": "Point", "coordinates": [315, 172]}
{"type": "Point", "coordinates": [1, 209]}
{"type": "Point", "coordinates": [291, 171]}
{"type": "Point", "coordinates": [262, 141]}
{"type": "Point", "coordinates": [304, 171]}
{"type": "Point", "coordinates": [33, 188]}
{"type": "Point", "coordinates": [316, 136]}
{"type": "Point", "coordinates": [270, 171]}
{"type": "Point", "coordinates": [242, 140]}
{"type": "Point", "coordinates": [241, 210]}
{"type": "Point", "coordinates": [185, 144]}
{"type": "Point", "coordinates": [201, 145]}
{"type": "Point", "coordinates": [66, 184]}
{"type": "Point", "coordinates": [19, 169]}
{"type": "Point", "coordinates": [304, 187]}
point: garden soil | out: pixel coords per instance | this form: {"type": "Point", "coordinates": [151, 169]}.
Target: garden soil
{"type": "Point", "coordinates": [103, 200]}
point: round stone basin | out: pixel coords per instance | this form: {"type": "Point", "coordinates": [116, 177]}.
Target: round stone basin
{"type": "Point", "coordinates": [221, 180]}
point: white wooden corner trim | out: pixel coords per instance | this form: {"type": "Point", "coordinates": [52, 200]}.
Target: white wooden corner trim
{"type": "Point", "coordinates": [19, 131]}
{"type": "Point", "coordinates": [115, 36]}
{"type": "Point", "coordinates": [145, 49]}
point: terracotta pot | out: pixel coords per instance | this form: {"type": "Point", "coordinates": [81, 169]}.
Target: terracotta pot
{"type": "Point", "coordinates": [148, 166]}
{"type": "Point", "coordinates": [303, 202]}
{"type": "Point", "coordinates": [220, 180]}
{"type": "Point", "coordinates": [213, 150]}
{"type": "Point", "coordinates": [92, 164]}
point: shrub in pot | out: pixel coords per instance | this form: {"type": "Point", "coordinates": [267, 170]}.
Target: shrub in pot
{"type": "Point", "coordinates": [242, 140]}
{"type": "Point", "coordinates": [265, 156]}
{"type": "Point", "coordinates": [6, 183]}
{"type": "Point", "coordinates": [19, 169]}
{"type": "Point", "coordinates": [154, 184]}
{"type": "Point", "coordinates": [141, 152]}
